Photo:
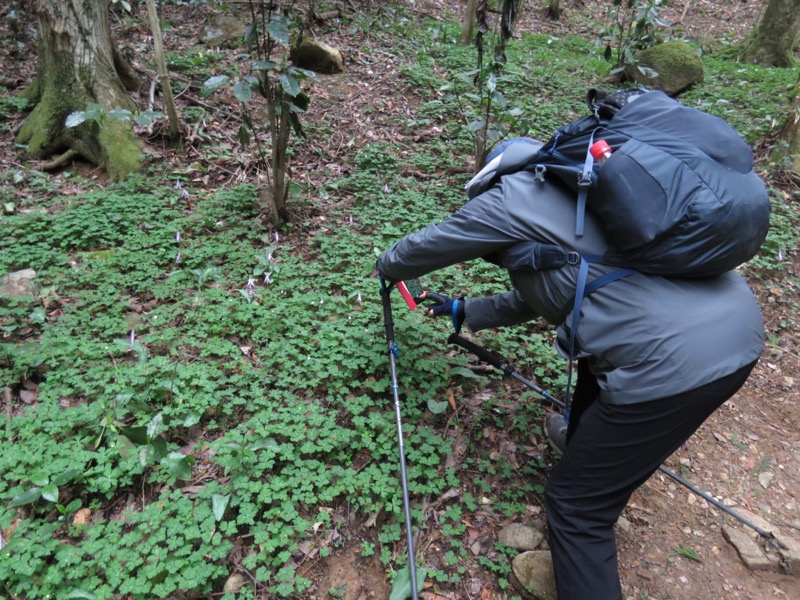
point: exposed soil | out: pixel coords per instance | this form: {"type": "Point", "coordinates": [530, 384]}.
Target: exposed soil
{"type": "Point", "coordinates": [747, 455]}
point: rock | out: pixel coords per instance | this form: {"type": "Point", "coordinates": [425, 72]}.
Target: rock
{"type": "Point", "coordinates": [533, 575]}
{"type": "Point", "coordinates": [758, 521]}
{"type": "Point", "coordinates": [233, 583]}
{"type": "Point", "coordinates": [790, 555]}
{"type": "Point", "coordinates": [19, 283]}
{"type": "Point", "coordinates": [749, 551]}
{"type": "Point", "coordinates": [316, 56]}
{"type": "Point", "coordinates": [623, 524]}
{"type": "Point", "coordinates": [672, 67]}
{"type": "Point", "coordinates": [220, 30]}
{"type": "Point", "coordinates": [520, 537]}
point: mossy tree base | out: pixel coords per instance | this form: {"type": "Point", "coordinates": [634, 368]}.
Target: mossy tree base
{"type": "Point", "coordinates": [76, 68]}
{"type": "Point", "coordinates": [787, 151]}
{"type": "Point", "coordinates": [772, 42]}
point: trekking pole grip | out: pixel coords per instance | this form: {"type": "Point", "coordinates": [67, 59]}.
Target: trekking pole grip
{"type": "Point", "coordinates": [387, 314]}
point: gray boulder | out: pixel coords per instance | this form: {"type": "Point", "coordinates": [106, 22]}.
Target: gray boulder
{"type": "Point", "coordinates": [533, 575]}
{"type": "Point", "coordinates": [19, 283]}
{"type": "Point", "coordinates": [316, 56]}
{"type": "Point", "coordinates": [672, 67]}
{"type": "Point", "coordinates": [221, 30]}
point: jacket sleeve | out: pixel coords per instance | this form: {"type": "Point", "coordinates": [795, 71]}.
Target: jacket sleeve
{"type": "Point", "coordinates": [479, 228]}
{"type": "Point", "coordinates": [500, 310]}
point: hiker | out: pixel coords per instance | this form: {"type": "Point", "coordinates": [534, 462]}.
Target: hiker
{"type": "Point", "coordinates": [656, 356]}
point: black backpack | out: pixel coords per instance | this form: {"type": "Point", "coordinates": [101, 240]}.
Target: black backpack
{"type": "Point", "coordinates": [678, 196]}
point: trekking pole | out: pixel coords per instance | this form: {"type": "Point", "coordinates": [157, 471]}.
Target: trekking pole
{"type": "Point", "coordinates": [389, 324]}
{"type": "Point", "coordinates": [506, 368]}
{"type": "Point", "coordinates": [510, 371]}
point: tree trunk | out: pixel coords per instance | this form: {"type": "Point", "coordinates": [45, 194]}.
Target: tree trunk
{"type": "Point", "coordinates": [554, 10]}
{"type": "Point", "coordinates": [468, 24]}
{"type": "Point", "coordinates": [787, 152]}
{"type": "Point", "coordinates": [76, 68]}
{"type": "Point", "coordinates": [772, 42]}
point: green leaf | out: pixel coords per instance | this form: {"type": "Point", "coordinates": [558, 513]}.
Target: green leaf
{"type": "Point", "coordinates": [65, 477]}
{"type": "Point", "coordinates": [38, 315]}
{"type": "Point", "coordinates": [155, 427]}
{"type": "Point", "coordinates": [212, 84]}
{"type": "Point", "coordinates": [402, 583]}
{"type": "Point", "coordinates": [477, 124]}
{"type": "Point", "coordinates": [263, 65]}
{"type": "Point", "coordinates": [278, 31]}
{"type": "Point", "coordinates": [266, 442]}
{"type": "Point", "coordinates": [147, 117]}
{"type": "Point", "coordinates": [159, 446]}
{"type": "Point", "coordinates": [125, 447]}
{"type": "Point", "coordinates": [491, 83]}
{"type": "Point", "coordinates": [50, 493]}
{"type": "Point", "coordinates": [290, 85]}
{"type": "Point", "coordinates": [243, 135]}
{"type": "Point", "coordinates": [464, 372]}
{"type": "Point", "coordinates": [80, 595]}
{"type": "Point", "coordinates": [76, 118]}
{"type": "Point", "coordinates": [136, 435]}
{"type": "Point", "coordinates": [242, 91]}
{"type": "Point", "coordinates": [191, 419]}
{"type": "Point", "coordinates": [299, 103]}
{"type": "Point", "coordinates": [178, 465]}
{"type": "Point", "coordinates": [435, 407]}
{"type": "Point", "coordinates": [120, 114]}
{"type": "Point", "coordinates": [218, 505]}
{"type": "Point", "coordinates": [39, 478]}
{"type": "Point", "coordinates": [28, 497]}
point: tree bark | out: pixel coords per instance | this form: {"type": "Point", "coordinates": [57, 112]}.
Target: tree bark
{"type": "Point", "coordinates": [77, 67]}
{"type": "Point", "coordinates": [468, 24]}
{"type": "Point", "coordinates": [772, 42]}
{"type": "Point", "coordinates": [787, 152]}
{"type": "Point", "coordinates": [554, 10]}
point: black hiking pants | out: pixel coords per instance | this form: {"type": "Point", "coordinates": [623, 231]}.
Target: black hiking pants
{"type": "Point", "coordinates": [612, 450]}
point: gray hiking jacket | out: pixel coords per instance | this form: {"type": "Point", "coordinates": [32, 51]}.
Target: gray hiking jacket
{"type": "Point", "coordinates": [645, 337]}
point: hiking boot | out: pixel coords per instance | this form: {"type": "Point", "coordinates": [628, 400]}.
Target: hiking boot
{"type": "Point", "coordinates": [555, 430]}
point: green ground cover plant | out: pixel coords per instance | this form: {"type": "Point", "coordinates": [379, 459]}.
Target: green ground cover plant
{"type": "Point", "coordinates": [206, 388]}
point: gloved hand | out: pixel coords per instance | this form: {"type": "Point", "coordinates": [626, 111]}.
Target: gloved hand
{"type": "Point", "coordinates": [385, 281]}
{"type": "Point", "coordinates": [445, 305]}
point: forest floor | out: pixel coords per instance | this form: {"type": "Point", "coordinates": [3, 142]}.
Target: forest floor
{"type": "Point", "coordinates": [747, 454]}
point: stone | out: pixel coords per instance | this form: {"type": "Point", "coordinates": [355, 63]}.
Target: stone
{"type": "Point", "coordinates": [520, 537]}
{"type": "Point", "coordinates": [233, 583]}
{"type": "Point", "coordinates": [672, 67]}
{"type": "Point", "coordinates": [756, 520]}
{"type": "Point", "coordinates": [749, 551]}
{"type": "Point", "coordinates": [316, 56]}
{"type": "Point", "coordinates": [18, 283]}
{"type": "Point", "coordinates": [790, 555]}
{"type": "Point", "coordinates": [623, 524]}
{"type": "Point", "coordinates": [533, 575]}
{"type": "Point", "coordinates": [221, 30]}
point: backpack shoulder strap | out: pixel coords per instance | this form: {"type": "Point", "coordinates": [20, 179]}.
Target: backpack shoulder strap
{"type": "Point", "coordinates": [583, 289]}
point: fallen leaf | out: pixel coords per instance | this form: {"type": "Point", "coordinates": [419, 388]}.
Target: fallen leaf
{"type": "Point", "coordinates": [765, 479]}
{"type": "Point", "coordinates": [82, 517]}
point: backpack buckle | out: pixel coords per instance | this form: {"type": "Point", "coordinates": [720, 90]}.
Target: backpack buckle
{"type": "Point", "coordinates": [573, 258]}
{"type": "Point", "coordinates": [584, 180]}
{"type": "Point", "coordinates": [538, 173]}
